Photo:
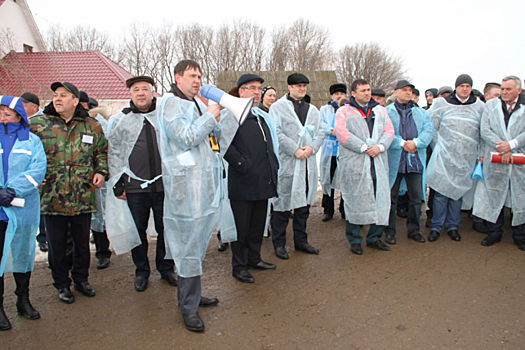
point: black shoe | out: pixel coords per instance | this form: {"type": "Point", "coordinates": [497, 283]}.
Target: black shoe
{"type": "Point", "coordinates": [378, 245]}
{"type": "Point", "coordinates": [327, 217]}
{"type": "Point", "coordinates": [390, 239]}
{"type": "Point", "coordinates": [356, 248]}
{"type": "Point", "coordinates": [24, 308]}
{"type": "Point", "coordinates": [454, 235]}
{"type": "Point", "coordinates": [102, 263]}
{"type": "Point", "coordinates": [4, 321]}
{"type": "Point", "coordinates": [43, 246]}
{"type": "Point", "coordinates": [141, 283]}
{"type": "Point", "coordinates": [193, 322]}
{"type": "Point", "coordinates": [65, 295]}
{"type": "Point", "coordinates": [480, 227]}
{"type": "Point", "coordinates": [281, 253]}
{"type": "Point", "coordinates": [222, 246]}
{"type": "Point", "coordinates": [306, 248]}
{"type": "Point", "coordinates": [402, 213]}
{"type": "Point", "coordinates": [206, 302]}
{"type": "Point", "coordinates": [262, 266]}
{"type": "Point", "coordinates": [433, 236]}
{"type": "Point", "coordinates": [171, 278]}
{"type": "Point", "coordinates": [521, 245]}
{"type": "Point", "coordinates": [490, 240]}
{"type": "Point", "coordinates": [417, 237]}
{"type": "Point", "coordinates": [429, 219]}
{"type": "Point", "coordinates": [243, 276]}
{"type": "Point", "coordinates": [85, 289]}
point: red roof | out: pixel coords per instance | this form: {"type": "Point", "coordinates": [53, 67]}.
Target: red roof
{"type": "Point", "coordinates": [91, 71]}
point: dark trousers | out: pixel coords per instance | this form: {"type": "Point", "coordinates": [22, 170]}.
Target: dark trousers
{"type": "Point", "coordinates": [415, 194]}
{"type": "Point", "coordinates": [279, 221]}
{"type": "Point", "coordinates": [57, 228]}
{"type": "Point", "coordinates": [41, 236]}
{"type": "Point", "coordinates": [189, 294]}
{"type": "Point", "coordinates": [250, 218]}
{"type": "Point", "coordinates": [140, 205]}
{"type": "Point", "coordinates": [328, 201]}
{"type": "Point", "coordinates": [496, 229]}
{"type": "Point", "coordinates": [102, 244]}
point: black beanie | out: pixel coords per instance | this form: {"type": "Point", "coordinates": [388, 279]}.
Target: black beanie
{"type": "Point", "coordinates": [463, 79]}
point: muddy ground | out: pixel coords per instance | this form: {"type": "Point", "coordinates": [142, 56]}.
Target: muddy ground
{"type": "Point", "coordinates": [440, 295]}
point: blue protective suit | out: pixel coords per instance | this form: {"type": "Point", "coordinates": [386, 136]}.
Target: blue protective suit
{"type": "Point", "coordinates": [362, 207]}
{"type": "Point", "coordinates": [192, 175]}
{"type": "Point", "coordinates": [27, 168]}
{"type": "Point", "coordinates": [97, 219]}
{"type": "Point", "coordinates": [455, 148]}
{"type": "Point", "coordinates": [122, 133]}
{"type": "Point", "coordinates": [330, 146]}
{"type": "Point", "coordinates": [291, 135]}
{"type": "Point", "coordinates": [425, 132]}
{"type": "Point", "coordinates": [502, 184]}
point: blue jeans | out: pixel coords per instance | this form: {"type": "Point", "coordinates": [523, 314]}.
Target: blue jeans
{"type": "Point", "coordinates": [415, 195]}
{"type": "Point", "coordinates": [445, 211]}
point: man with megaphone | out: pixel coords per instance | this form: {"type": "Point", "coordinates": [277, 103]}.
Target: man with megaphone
{"type": "Point", "coordinates": [192, 174]}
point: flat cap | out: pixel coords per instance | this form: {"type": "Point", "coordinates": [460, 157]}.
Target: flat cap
{"type": "Point", "coordinates": [378, 92]}
{"type": "Point", "coordinates": [138, 78]}
{"type": "Point", "coordinates": [68, 86]}
{"type": "Point", "coordinates": [402, 83]}
{"type": "Point", "coordinates": [445, 89]}
{"type": "Point", "coordinates": [246, 78]}
{"type": "Point", "coordinates": [297, 78]}
{"type": "Point", "coordinates": [30, 97]}
{"type": "Point", "coordinates": [83, 96]}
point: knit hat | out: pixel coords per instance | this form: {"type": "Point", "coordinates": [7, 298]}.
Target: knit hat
{"type": "Point", "coordinates": [463, 79]}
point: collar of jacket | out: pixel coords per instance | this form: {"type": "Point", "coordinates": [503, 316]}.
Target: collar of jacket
{"type": "Point", "coordinates": [80, 111]}
{"type": "Point", "coordinates": [176, 91]}
{"type": "Point", "coordinates": [403, 106]}
{"type": "Point", "coordinates": [371, 104]}
{"type": "Point", "coordinates": [521, 101]}
{"type": "Point", "coordinates": [134, 109]}
{"type": "Point", "coordinates": [453, 100]}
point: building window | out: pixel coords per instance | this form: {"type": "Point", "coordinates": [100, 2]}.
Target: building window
{"type": "Point", "coordinates": [28, 48]}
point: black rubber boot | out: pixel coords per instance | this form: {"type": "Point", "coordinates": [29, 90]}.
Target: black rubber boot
{"type": "Point", "coordinates": [4, 322]}
{"type": "Point", "coordinates": [23, 306]}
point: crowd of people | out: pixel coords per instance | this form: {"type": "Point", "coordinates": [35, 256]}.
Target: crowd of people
{"type": "Point", "coordinates": [197, 169]}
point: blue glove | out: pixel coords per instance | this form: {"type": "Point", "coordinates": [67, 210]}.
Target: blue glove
{"type": "Point", "coordinates": [6, 196]}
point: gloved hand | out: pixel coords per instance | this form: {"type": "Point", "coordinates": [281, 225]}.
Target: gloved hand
{"type": "Point", "coordinates": [6, 196]}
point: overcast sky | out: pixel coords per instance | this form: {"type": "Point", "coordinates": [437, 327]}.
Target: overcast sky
{"type": "Point", "coordinates": [436, 40]}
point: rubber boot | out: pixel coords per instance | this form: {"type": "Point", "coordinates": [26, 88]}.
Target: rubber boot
{"type": "Point", "coordinates": [23, 306]}
{"type": "Point", "coordinates": [4, 322]}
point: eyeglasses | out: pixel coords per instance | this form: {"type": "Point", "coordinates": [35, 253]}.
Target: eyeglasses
{"type": "Point", "coordinates": [252, 88]}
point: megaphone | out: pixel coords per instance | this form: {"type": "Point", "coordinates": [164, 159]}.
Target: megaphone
{"type": "Point", "coordinates": [240, 107]}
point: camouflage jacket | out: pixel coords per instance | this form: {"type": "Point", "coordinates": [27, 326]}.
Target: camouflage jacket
{"type": "Point", "coordinates": [75, 153]}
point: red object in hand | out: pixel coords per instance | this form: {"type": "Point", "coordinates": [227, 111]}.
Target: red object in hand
{"type": "Point", "coordinates": [517, 158]}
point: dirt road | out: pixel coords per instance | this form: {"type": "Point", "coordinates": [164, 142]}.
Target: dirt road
{"type": "Point", "coordinates": [440, 295]}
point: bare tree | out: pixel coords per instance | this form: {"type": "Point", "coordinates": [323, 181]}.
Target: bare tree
{"type": "Point", "coordinates": [80, 38]}
{"type": "Point", "coordinates": [137, 54]}
{"type": "Point", "coordinates": [302, 46]}
{"type": "Point", "coordinates": [7, 41]}
{"type": "Point", "coordinates": [370, 62]}
{"type": "Point", "coordinates": [196, 42]}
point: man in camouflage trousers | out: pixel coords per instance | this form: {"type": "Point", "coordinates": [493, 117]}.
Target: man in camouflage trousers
{"type": "Point", "coordinates": [76, 151]}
